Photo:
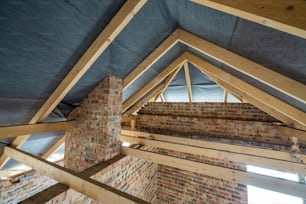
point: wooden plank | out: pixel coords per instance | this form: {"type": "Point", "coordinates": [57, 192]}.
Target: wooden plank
{"type": "Point", "coordinates": [162, 49]}
{"type": "Point", "coordinates": [225, 96]}
{"type": "Point", "coordinates": [270, 183]}
{"type": "Point", "coordinates": [46, 195]}
{"type": "Point", "coordinates": [291, 132]}
{"type": "Point", "coordinates": [273, 154]}
{"type": "Point", "coordinates": [220, 154]}
{"type": "Point", "coordinates": [111, 31]}
{"type": "Point", "coordinates": [274, 103]}
{"type": "Point", "coordinates": [156, 92]}
{"type": "Point", "coordinates": [283, 15]}
{"type": "Point", "coordinates": [273, 79]}
{"type": "Point", "coordinates": [154, 82]}
{"type": "Point", "coordinates": [84, 185]}
{"type": "Point", "coordinates": [53, 149]}
{"type": "Point", "coordinates": [13, 131]}
{"type": "Point", "coordinates": [161, 95]}
{"type": "Point", "coordinates": [188, 81]}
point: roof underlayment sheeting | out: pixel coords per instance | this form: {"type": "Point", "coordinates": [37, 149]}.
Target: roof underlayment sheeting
{"type": "Point", "coordinates": [40, 41]}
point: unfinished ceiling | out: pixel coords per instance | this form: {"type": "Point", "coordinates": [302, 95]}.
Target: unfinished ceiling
{"type": "Point", "coordinates": [40, 41]}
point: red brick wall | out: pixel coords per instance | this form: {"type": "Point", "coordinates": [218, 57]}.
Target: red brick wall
{"type": "Point", "coordinates": [23, 187]}
{"type": "Point", "coordinates": [228, 123]}
{"type": "Point", "coordinates": [97, 136]}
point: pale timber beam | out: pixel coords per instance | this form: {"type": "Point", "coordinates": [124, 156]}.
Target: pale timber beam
{"type": "Point", "coordinates": [277, 105]}
{"type": "Point", "coordinates": [270, 183]}
{"type": "Point", "coordinates": [260, 152]}
{"type": "Point", "coordinates": [273, 79]}
{"type": "Point", "coordinates": [188, 81]}
{"type": "Point", "coordinates": [149, 86]}
{"type": "Point", "coordinates": [54, 148]}
{"type": "Point", "coordinates": [84, 185]}
{"type": "Point", "coordinates": [162, 49]}
{"type": "Point", "coordinates": [242, 157]}
{"type": "Point", "coordinates": [110, 32]}
{"type": "Point", "coordinates": [16, 130]}
{"type": "Point", "coordinates": [162, 97]}
{"type": "Point", "coordinates": [225, 96]}
{"type": "Point", "coordinates": [291, 132]}
{"type": "Point", "coordinates": [156, 92]}
{"type": "Point", "coordinates": [283, 15]}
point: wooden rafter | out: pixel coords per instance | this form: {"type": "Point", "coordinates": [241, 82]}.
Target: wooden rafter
{"type": "Point", "coordinates": [227, 80]}
{"type": "Point", "coordinates": [225, 96]}
{"type": "Point", "coordinates": [226, 155]}
{"type": "Point", "coordinates": [54, 148]}
{"type": "Point", "coordinates": [110, 32]}
{"type": "Point", "coordinates": [149, 86]}
{"type": "Point", "coordinates": [89, 187]}
{"type": "Point", "coordinates": [156, 92]}
{"type": "Point", "coordinates": [270, 183]}
{"type": "Point", "coordinates": [283, 15]}
{"type": "Point", "coordinates": [161, 95]}
{"type": "Point", "coordinates": [273, 79]}
{"type": "Point", "coordinates": [16, 130]}
{"type": "Point", "coordinates": [188, 81]}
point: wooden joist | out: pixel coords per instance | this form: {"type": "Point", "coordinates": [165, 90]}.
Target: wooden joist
{"type": "Point", "coordinates": [188, 81]}
{"type": "Point", "coordinates": [273, 154]}
{"type": "Point", "coordinates": [226, 155]}
{"type": "Point", "coordinates": [273, 79]}
{"type": "Point", "coordinates": [149, 86]}
{"type": "Point", "coordinates": [283, 15]}
{"type": "Point", "coordinates": [272, 102]}
{"type": "Point", "coordinates": [270, 183]}
{"type": "Point", "coordinates": [291, 132]}
{"type": "Point", "coordinates": [89, 187]}
{"type": "Point", "coordinates": [16, 130]}
{"type": "Point", "coordinates": [110, 32]}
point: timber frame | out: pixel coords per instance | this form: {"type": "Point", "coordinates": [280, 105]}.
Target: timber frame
{"type": "Point", "coordinates": [291, 116]}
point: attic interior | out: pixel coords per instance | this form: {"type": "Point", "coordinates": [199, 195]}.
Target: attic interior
{"type": "Point", "coordinates": [152, 101]}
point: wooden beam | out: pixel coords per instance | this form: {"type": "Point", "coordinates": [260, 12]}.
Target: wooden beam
{"type": "Point", "coordinates": [46, 195]}
{"type": "Point", "coordinates": [273, 79]}
{"type": "Point", "coordinates": [149, 86]}
{"type": "Point", "coordinates": [54, 148]}
{"type": "Point", "coordinates": [161, 95]}
{"type": "Point", "coordinates": [270, 183]}
{"type": "Point", "coordinates": [291, 132]}
{"type": "Point", "coordinates": [13, 131]}
{"type": "Point", "coordinates": [84, 185]}
{"type": "Point", "coordinates": [274, 103]}
{"type": "Point", "coordinates": [156, 92]}
{"type": "Point", "coordinates": [162, 49]}
{"type": "Point", "coordinates": [220, 154]}
{"type": "Point", "coordinates": [225, 96]}
{"type": "Point", "coordinates": [260, 152]}
{"type": "Point", "coordinates": [283, 15]}
{"type": "Point", "coordinates": [110, 32]}
{"type": "Point", "coordinates": [188, 81]}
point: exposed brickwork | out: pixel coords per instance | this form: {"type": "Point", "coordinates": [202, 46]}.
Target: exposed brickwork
{"type": "Point", "coordinates": [232, 111]}
{"type": "Point", "coordinates": [23, 187]}
{"type": "Point", "coordinates": [97, 137]}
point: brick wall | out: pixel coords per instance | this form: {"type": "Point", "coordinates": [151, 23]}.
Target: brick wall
{"type": "Point", "coordinates": [231, 121]}
{"type": "Point", "coordinates": [97, 136]}
{"type": "Point", "coordinates": [23, 187]}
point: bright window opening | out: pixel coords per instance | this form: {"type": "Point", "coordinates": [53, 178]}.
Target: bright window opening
{"type": "Point", "coordinates": [262, 196]}
{"type": "Point", "coordinates": [126, 144]}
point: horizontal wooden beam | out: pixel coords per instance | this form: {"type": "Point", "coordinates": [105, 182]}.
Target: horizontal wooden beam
{"type": "Point", "coordinates": [226, 155]}
{"type": "Point", "coordinates": [162, 49]}
{"type": "Point", "coordinates": [89, 187]}
{"type": "Point", "coordinates": [274, 103]}
{"type": "Point", "coordinates": [16, 130]}
{"type": "Point", "coordinates": [273, 79]}
{"type": "Point", "coordinates": [110, 32]}
{"type": "Point", "coordinates": [283, 15]}
{"type": "Point", "coordinates": [273, 154]}
{"type": "Point", "coordinates": [270, 183]}
{"type": "Point", "coordinates": [291, 132]}
{"type": "Point", "coordinates": [154, 82]}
